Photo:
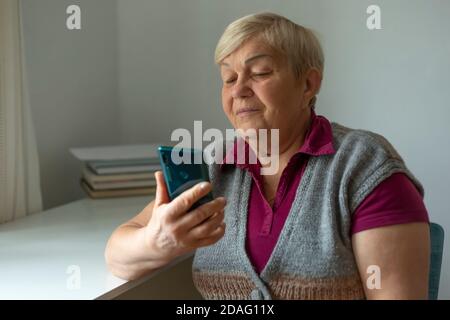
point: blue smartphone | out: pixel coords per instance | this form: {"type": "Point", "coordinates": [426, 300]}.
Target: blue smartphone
{"type": "Point", "coordinates": [183, 168]}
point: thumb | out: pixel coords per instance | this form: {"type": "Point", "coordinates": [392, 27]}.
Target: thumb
{"type": "Point", "coordinates": [161, 196]}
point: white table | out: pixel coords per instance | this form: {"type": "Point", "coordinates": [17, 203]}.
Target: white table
{"type": "Point", "coordinates": [59, 253]}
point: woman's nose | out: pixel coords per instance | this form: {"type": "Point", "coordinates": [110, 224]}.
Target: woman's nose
{"type": "Point", "coordinates": [241, 90]}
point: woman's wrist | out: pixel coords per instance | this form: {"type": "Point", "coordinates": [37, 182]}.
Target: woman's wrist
{"type": "Point", "coordinates": [153, 253]}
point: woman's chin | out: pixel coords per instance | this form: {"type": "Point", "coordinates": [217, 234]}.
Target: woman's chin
{"type": "Point", "coordinates": [249, 126]}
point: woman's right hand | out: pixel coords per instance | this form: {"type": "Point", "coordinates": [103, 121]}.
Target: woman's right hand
{"type": "Point", "coordinates": [173, 230]}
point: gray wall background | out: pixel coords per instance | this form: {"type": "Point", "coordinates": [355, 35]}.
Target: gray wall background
{"type": "Point", "coordinates": [139, 69]}
{"type": "Point", "coordinates": [73, 84]}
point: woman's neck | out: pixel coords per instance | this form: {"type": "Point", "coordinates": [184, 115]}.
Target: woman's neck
{"type": "Point", "coordinates": [290, 142]}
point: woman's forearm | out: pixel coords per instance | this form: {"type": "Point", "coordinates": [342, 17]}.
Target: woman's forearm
{"type": "Point", "coordinates": [163, 231]}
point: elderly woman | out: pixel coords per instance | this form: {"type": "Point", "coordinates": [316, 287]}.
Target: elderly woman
{"type": "Point", "coordinates": [342, 218]}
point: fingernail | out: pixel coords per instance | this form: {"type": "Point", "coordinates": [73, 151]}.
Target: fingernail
{"type": "Point", "coordinates": [203, 185]}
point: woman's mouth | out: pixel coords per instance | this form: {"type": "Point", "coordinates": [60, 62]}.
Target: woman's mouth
{"type": "Point", "coordinates": [245, 111]}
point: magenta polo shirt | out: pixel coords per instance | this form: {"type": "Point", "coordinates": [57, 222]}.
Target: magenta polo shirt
{"type": "Point", "coordinates": [394, 201]}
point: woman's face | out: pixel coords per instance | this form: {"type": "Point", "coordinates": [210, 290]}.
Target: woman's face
{"type": "Point", "coordinates": [260, 91]}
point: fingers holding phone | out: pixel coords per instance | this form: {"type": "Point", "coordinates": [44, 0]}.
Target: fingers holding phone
{"type": "Point", "coordinates": [209, 231]}
{"type": "Point", "coordinates": [174, 230]}
{"type": "Point", "coordinates": [203, 225]}
{"type": "Point", "coordinates": [202, 221]}
{"type": "Point", "coordinates": [161, 196]}
{"type": "Point", "coordinates": [185, 201]}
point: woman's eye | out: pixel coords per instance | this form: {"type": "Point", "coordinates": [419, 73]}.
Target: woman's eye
{"type": "Point", "coordinates": [256, 74]}
{"type": "Point", "coordinates": [262, 74]}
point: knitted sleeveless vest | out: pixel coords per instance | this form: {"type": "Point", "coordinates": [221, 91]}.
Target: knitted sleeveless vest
{"type": "Point", "coordinates": [313, 258]}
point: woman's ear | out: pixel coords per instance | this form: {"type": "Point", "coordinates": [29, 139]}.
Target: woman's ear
{"type": "Point", "coordinates": [313, 81]}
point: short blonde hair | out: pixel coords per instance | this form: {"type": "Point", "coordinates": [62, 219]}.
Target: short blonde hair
{"type": "Point", "coordinates": [297, 44]}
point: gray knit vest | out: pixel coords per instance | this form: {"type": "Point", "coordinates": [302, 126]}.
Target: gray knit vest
{"type": "Point", "coordinates": [313, 258]}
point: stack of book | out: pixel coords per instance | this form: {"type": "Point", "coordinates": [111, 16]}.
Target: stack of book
{"type": "Point", "coordinates": [118, 171]}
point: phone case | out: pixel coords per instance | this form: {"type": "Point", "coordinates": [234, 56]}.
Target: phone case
{"type": "Point", "coordinates": [182, 176]}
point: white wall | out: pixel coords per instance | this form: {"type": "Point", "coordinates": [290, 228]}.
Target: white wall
{"type": "Point", "coordinates": [393, 81]}
{"type": "Point", "coordinates": [72, 77]}
{"type": "Point", "coordinates": [167, 75]}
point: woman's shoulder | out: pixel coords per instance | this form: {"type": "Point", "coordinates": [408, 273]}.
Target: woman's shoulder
{"type": "Point", "coordinates": [346, 139]}
{"type": "Point", "coordinates": [367, 158]}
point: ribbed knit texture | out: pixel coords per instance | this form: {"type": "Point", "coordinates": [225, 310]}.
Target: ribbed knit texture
{"type": "Point", "coordinates": [313, 258]}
